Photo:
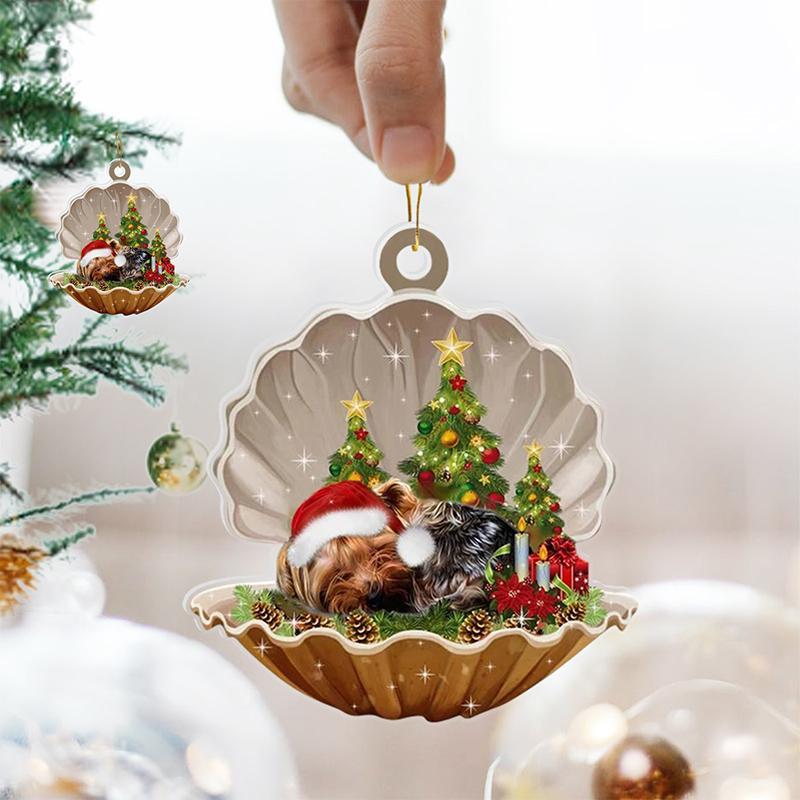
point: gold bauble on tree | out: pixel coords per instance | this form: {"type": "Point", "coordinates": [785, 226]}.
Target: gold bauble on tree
{"type": "Point", "coordinates": [470, 498]}
{"type": "Point", "coordinates": [354, 476]}
{"type": "Point", "coordinates": [449, 438]}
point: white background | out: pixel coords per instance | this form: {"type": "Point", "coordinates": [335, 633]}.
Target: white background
{"type": "Point", "coordinates": [627, 184]}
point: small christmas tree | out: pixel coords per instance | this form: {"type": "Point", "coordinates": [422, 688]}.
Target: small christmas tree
{"type": "Point", "coordinates": [102, 231]}
{"type": "Point", "coordinates": [358, 458]}
{"type": "Point", "coordinates": [158, 248]}
{"type": "Point", "coordinates": [536, 507]}
{"type": "Point", "coordinates": [132, 232]}
{"type": "Point", "coordinates": [457, 458]}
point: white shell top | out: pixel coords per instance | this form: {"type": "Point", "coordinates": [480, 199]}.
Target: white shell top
{"type": "Point", "coordinates": [80, 219]}
{"type": "Point", "coordinates": [281, 426]}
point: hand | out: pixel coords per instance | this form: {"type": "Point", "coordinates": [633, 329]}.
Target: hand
{"type": "Point", "coordinates": [375, 70]}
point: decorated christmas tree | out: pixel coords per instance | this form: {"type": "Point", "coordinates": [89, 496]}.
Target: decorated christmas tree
{"type": "Point", "coordinates": [158, 248]}
{"type": "Point", "coordinates": [358, 459]}
{"type": "Point", "coordinates": [102, 231]}
{"type": "Point", "coordinates": [457, 458]}
{"type": "Point", "coordinates": [132, 232]}
{"type": "Point", "coordinates": [536, 507]}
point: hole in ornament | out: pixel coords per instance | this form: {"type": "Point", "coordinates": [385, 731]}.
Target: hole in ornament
{"type": "Point", "coordinates": [413, 265]}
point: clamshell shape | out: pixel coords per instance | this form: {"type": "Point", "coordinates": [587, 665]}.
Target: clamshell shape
{"type": "Point", "coordinates": [118, 300]}
{"type": "Point", "coordinates": [80, 220]}
{"type": "Point", "coordinates": [414, 673]}
{"type": "Point", "coordinates": [280, 428]}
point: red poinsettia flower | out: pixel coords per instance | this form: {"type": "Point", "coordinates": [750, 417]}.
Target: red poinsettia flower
{"type": "Point", "coordinates": [542, 604]}
{"type": "Point", "coordinates": [513, 595]}
{"type": "Point", "coordinates": [458, 382]}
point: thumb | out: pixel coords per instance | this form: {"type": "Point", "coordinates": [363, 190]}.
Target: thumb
{"type": "Point", "coordinates": [401, 82]}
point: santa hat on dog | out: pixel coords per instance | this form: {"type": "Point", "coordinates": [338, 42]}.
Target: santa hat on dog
{"type": "Point", "coordinates": [349, 508]}
{"type": "Point", "coordinates": [99, 248]}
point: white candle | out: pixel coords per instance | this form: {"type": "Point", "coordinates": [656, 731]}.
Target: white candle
{"type": "Point", "coordinates": [543, 569]}
{"type": "Point", "coordinates": [522, 551]}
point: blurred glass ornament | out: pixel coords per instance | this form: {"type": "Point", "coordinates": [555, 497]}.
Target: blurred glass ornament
{"type": "Point", "coordinates": [734, 744]}
{"type": "Point", "coordinates": [642, 767]}
{"type": "Point", "coordinates": [106, 708]}
{"type": "Point", "coordinates": [65, 586]}
{"type": "Point", "coordinates": [176, 463]}
{"type": "Point", "coordinates": [683, 630]}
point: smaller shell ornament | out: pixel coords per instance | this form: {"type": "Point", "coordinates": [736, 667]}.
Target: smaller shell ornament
{"type": "Point", "coordinates": [429, 473]}
{"type": "Point", "coordinates": [123, 240]}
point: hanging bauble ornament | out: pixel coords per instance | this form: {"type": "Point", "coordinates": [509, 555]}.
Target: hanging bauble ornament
{"type": "Point", "coordinates": [355, 476]}
{"type": "Point", "coordinates": [409, 345]}
{"type": "Point", "coordinates": [424, 427]}
{"type": "Point", "coordinates": [449, 438]}
{"type": "Point", "coordinates": [122, 239]}
{"type": "Point", "coordinates": [454, 410]}
{"type": "Point", "coordinates": [176, 463]}
{"type": "Point", "coordinates": [642, 767]}
{"type": "Point", "coordinates": [490, 455]}
{"type": "Point", "coordinates": [335, 469]}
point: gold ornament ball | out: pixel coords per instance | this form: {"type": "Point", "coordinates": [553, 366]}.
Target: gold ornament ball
{"type": "Point", "coordinates": [470, 498]}
{"type": "Point", "coordinates": [354, 476]}
{"type": "Point", "coordinates": [533, 497]}
{"type": "Point", "coordinates": [449, 438]}
{"type": "Point", "coordinates": [177, 464]}
{"type": "Point", "coordinates": [642, 767]}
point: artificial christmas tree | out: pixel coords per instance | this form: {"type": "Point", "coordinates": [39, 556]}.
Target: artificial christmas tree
{"type": "Point", "coordinates": [457, 458]}
{"type": "Point", "coordinates": [101, 231]}
{"type": "Point", "coordinates": [132, 232]}
{"type": "Point", "coordinates": [158, 248]}
{"type": "Point", "coordinates": [358, 458]}
{"type": "Point", "coordinates": [536, 507]}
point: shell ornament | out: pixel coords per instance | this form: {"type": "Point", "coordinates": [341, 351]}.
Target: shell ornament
{"type": "Point", "coordinates": [281, 427]}
{"type": "Point", "coordinates": [123, 240]}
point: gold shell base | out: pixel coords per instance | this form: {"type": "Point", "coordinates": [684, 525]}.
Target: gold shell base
{"type": "Point", "coordinates": [414, 673]}
{"type": "Point", "coordinates": [119, 300]}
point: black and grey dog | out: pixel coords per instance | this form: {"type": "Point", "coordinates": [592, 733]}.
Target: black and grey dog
{"type": "Point", "coordinates": [465, 539]}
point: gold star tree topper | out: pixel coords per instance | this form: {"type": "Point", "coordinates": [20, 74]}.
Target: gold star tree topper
{"type": "Point", "coordinates": [534, 449]}
{"type": "Point", "coordinates": [451, 348]}
{"type": "Point", "coordinates": [357, 407]}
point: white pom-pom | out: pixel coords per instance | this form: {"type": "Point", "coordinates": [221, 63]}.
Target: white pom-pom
{"type": "Point", "coordinates": [415, 546]}
{"type": "Point", "coordinates": [120, 260]}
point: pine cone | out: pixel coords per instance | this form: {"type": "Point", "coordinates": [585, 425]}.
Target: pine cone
{"type": "Point", "coordinates": [361, 627]}
{"type": "Point", "coordinates": [18, 564]}
{"type": "Point", "coordinates": [476, 626]}
{"type": "Point", "coordinates": [575, 611]}
{"type": "Point", "coordinates": [305, 622]}
{"type": "Point", "coordinates": [267, 612]}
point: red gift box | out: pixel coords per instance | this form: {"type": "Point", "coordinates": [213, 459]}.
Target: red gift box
{"type": "Point", "coordinates": [567, 564]}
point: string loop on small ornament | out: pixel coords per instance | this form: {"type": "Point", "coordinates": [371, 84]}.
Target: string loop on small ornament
{"type": "Point", "coordinates": [118, 163]}
{"type": "Point", "coordinates": [414, 246]}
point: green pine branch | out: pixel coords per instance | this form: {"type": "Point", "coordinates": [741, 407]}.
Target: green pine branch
{"type": "Point", "coordinates": [54, 547]}
{"type": "Point", "coordinates": [53, 510]}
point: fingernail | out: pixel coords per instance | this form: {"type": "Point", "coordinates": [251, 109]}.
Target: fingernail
{"type": "Point", "coordinates": [408, 154]}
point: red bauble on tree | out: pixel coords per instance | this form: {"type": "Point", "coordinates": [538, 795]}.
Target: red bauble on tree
{"type": "Point", "coordinates": [426, 476]}
{"type": "Point", "coordinates": [495, 499]}
{"type": "Point", "coordinates": [490, 455]}
{"type": "Point", "coordinates": [454, 410]}
{"type": "Point", "coordinates": [358, 456]}
{"type": "Point", "coordinates": [362, 434]}
{"type": "Point", "coordinates": [555, 507]}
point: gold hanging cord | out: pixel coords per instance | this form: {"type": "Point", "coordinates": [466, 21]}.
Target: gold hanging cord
{"type": "Point", "coordinates": [414, 246]}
